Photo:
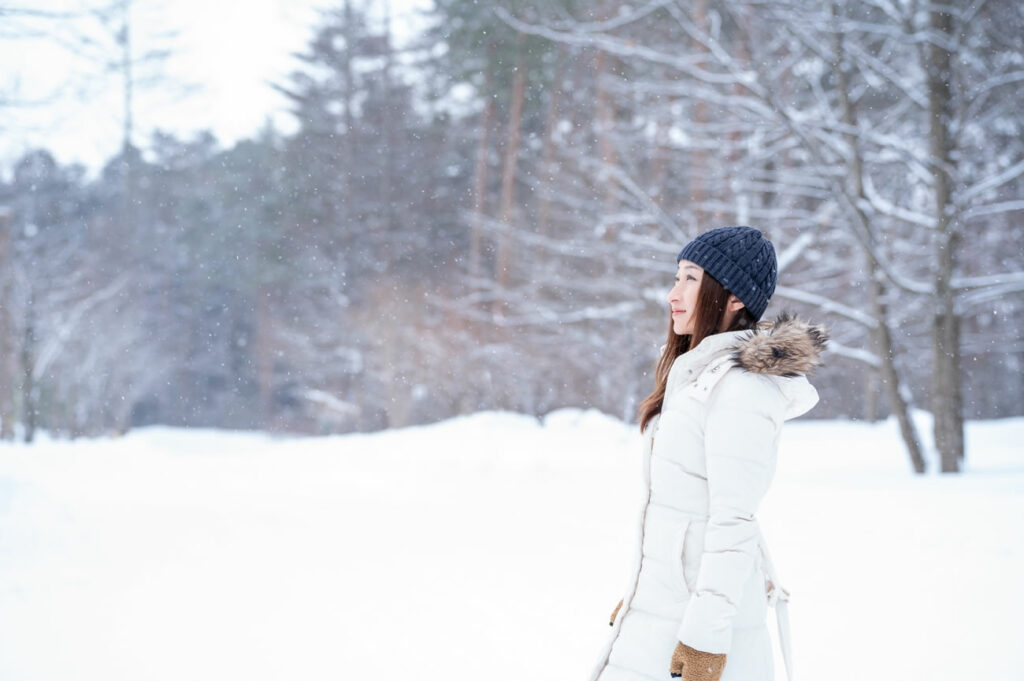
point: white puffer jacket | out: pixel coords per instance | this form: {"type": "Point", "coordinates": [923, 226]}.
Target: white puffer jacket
{"type": "Point", "coordinates": [699, 574]}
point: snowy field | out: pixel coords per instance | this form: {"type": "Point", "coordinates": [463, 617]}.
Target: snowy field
{"type": "Point", "coordinates": [487, 547]}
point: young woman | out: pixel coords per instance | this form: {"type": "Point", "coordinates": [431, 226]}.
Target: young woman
{"type": "Point", "coordinates": [696, 606]}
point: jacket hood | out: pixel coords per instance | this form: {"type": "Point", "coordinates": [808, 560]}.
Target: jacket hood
{"type": "Point", "coordinates": [787, 346]}
{"type": "Point", "coordinates": [786, 350]}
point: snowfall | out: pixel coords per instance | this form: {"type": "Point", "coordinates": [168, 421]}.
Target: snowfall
{"type": "Point", "coordinates": [492, 546]}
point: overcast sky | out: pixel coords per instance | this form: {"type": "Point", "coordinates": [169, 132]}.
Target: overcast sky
{"type": "Point", "coordinates": [228, 50]}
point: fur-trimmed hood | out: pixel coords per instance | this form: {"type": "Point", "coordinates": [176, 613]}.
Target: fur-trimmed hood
{"type": "Point", "coordinates": [786, 350]}
{"type": "Point", "coordinates": [787, 346]}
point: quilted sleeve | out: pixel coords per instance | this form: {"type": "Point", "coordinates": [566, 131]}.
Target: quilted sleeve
{"type": "Point", "coordinates": [745, 414]}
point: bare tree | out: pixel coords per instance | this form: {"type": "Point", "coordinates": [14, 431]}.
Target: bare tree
{"type": "Point", "coordinates": [849, 131]}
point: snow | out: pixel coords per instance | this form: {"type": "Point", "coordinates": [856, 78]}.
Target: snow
{"type": "Point", "coordinates": [489, 546]}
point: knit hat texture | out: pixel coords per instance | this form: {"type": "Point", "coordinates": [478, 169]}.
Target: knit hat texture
{"type": "Point", "coordinates": [741, 259]}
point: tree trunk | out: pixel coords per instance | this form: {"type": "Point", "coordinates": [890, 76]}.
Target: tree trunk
{"type": "Point", "coordinates": [605, 113]}
{"type": "Point", "coordinates": [883, 334]}
{"type": "Point", "coordinates": [28, 388]}
{"type": "Point", "coordinates": [738, 197]}
{"type": "Point", "coordinates": [349, 92]}
{"type": "Point", "coordinates": [661, 154]}
{"type": "Point", "coordinates": [889, 375]}
{"type": "Point", "coordinates": [547, 163]}
{"type": "Point", "coordinates": [503, 259]}
{"type": "Point", "coordinates": [127, 148]}
{"type": "Point", "coordinates": [125, 38]}
{"type": "Point", "coordinates": [388, 124]}
{"type": "Point", "coordinates": [605, 126]}
{"type": "Point", "coordinates": [264, 356]}
{"type": "Point", "coordinates": [872, 410]}
{"type": "Point", "coordinates": [701, 115]}
{"type": "Point", "coordinates": [6, 332]}
{"type": "Point", "coordinates": [947, 412]}
{"type": "Point", "coordinates": [480, 181]}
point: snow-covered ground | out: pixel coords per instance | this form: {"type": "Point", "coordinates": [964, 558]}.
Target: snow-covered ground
{"type": "Point", "coordinates": [486, 547]}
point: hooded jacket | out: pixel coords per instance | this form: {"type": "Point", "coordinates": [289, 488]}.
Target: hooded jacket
{"type": "Point", "coordinates": [699, 573]}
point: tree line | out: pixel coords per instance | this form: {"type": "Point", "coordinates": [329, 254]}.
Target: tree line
{"type": "Point", "coordinates": [488, 218]}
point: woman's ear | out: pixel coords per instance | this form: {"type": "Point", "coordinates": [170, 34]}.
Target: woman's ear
{"type": "Point", "coordinates": [734, 304]}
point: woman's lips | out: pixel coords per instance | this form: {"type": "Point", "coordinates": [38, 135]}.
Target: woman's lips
{"type": "Point", "coordinates": [675, 312]}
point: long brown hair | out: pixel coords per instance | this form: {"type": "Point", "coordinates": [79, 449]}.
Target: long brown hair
{"type": "Point", "coordinates": [710, 312]}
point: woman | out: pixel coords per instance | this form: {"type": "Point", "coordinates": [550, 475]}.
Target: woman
{"type": "Point", "coordinates": [696, 605]}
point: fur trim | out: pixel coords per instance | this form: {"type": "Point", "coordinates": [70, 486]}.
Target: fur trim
{"type": "Point", "coordinates": [788, 346]}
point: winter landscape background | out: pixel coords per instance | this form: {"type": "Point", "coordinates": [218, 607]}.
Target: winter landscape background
{"type": "Point", "coordinates": [323, 325]}
{"type": "Point", "coordinates": [493, 545]}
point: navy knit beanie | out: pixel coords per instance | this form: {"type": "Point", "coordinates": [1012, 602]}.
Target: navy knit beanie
{"type": "Point", "coordinates": [741, 259]}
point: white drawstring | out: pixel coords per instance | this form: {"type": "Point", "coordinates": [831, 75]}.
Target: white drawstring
{"type": "Point", "coordinates": [778, 598]}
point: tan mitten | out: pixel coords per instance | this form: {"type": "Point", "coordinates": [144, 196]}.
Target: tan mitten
{"type": "Point", "coordinates": [611, 620]}
{"type": "Point", "coordinates": [696, 665]}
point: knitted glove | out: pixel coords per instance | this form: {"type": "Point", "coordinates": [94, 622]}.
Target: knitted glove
{"type": "Point", "coordinates": [611, 620]}
{"type": "Point", "coordinates": [695, 665]}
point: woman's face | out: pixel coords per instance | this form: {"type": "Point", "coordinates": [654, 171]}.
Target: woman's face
{"type": "Point", "coordinates": [683, 297]}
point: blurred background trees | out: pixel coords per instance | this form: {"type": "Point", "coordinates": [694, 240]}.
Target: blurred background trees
{"type": "Point", "coordinates": [488, 219]}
